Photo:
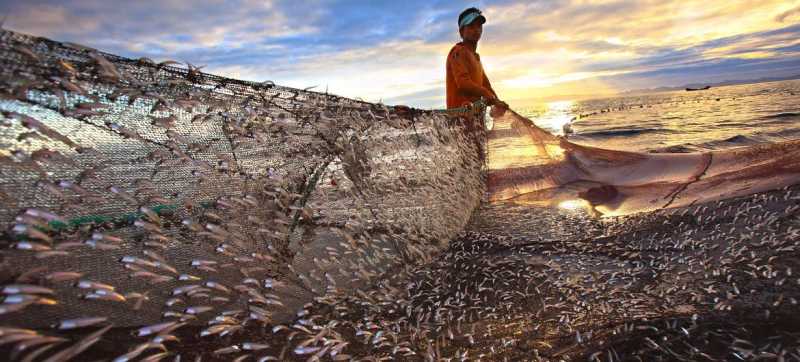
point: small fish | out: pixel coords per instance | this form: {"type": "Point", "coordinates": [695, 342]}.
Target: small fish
{"type": "Point", "coordinates": [165, 122]}
{"type": "Point", "coordinates": [128, 259]}
{"type": "Point", "coordinates": [62, 276]}
{"type": "Point", "coordinates": [26, 289]}
{"type": "Point", "coordinates": [250, 346]}
{"type": "Point", "coordinates": [107, 69]}
{"type": "Point", "coordinates": [228, 350]}
{"type": "Point", "coordinates": [102, 294]}
{"type": "Point", "coordinates": [306, 350]}
{"type": "Point", "coordinates": [13, 338]}
{"type": "Point", "coordinates": [198, 262]}
{"type": "Point", "coordinates": [138, 350]}
{"type": "Point", "coordinates": [11, 308]}
{"type": "Point", "coordinates": [70, 86]}
{"type": "Point", "coordinates": [185, 289]}
{"type": "Point", "coordinates": [48, 216]}
{"type": "Point", "coordinates": [32, 232]}
{"type": "Point", "coordinates": [67, 66]}
{"type": "Point", "coordinates": [94, 244]}
{"type": "Point", "coordinates": [79, 322]}
{"type": "Point", "coordinates": [217, 286]}
{"type": "Point", "coordinates": [50, 253]}
{"type": "Point", "coordinates": [80, 346]}
{"type": "Point", "coordinates": [27, 52]}
{"type": "Point", "coordinates": [27, 245]}
{"type": "Point", "coordinates": [28, 299]}
{"type": "Point", "coordinates": [157, 357]}
{"type": "Point", "coordinates": [165, 327]}
{"type": "Point", "coordinates": [161, 338]}
{"type": "Point", "coordinates": [198, 310]}
{"type": "Point", "coordinates": [24, 345]}
{"type": "Point", "coordinates": [216, 329]}
{"type": "Point", "coordinates": [139, 298]}
{"type": "Point", "coordinates": [88, 284]}
{"type": "Point", "coordinates": [123, 131]}
{"type": "Point", "coordinates": [187, 277]}
{"type": "Point", "coordinates": [33, 355]}
{"type": "Point", "coordinates": [34, 124]}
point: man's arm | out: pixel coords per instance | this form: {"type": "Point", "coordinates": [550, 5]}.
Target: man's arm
{"type": "Point", "coordinates": [498, 107]}
{"type": "Point", "coordinates": [488, 85]}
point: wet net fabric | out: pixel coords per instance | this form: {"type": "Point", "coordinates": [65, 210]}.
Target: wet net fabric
{"type": "Point", "coordinates": [148, 178]}
{"type": "Point", "coordinates": [531, 166]}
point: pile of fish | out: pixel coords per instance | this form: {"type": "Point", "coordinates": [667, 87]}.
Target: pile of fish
{"type": "Point", "coordinates": [154, 212]}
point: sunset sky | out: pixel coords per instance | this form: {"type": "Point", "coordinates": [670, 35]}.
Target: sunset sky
{"type": "Point", "coordinates": [394, 51]}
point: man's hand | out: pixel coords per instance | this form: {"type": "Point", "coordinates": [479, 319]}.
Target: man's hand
{"type": "Point", "coordinates": [498, 108]}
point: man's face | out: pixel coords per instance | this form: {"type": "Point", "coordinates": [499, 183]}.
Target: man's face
{"type": "Point", "coordinates": [472, 32]}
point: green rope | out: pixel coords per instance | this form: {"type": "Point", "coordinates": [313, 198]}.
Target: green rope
{"type": "Point", "coordinates": [127, 218]}
{"type": "Point", "coordinates": [473, 108]}
{"type": "Point", "coordinates": [469, 109]}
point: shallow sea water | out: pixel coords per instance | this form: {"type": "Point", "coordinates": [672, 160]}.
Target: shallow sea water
{"type": "Point", "coordinates": [679, 121]}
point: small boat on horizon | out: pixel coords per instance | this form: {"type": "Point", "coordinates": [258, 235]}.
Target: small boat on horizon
{"type": "Point", "coordinates": [697, 89]}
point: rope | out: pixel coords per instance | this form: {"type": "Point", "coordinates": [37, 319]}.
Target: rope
{"type": "Point", "coordinates": [474, 108]}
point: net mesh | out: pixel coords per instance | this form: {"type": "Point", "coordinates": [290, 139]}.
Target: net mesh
{"type": "Point", "coordinates": [150, 177]}
{"type": "Point", "coordinates": [153, 211]}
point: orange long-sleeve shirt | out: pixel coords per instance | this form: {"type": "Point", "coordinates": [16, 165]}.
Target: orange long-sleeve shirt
{"type": "Point", "coordinates": [466, 80]}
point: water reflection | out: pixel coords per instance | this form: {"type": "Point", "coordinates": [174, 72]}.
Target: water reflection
{"type": "Point", "coordinates": [532, 166]}
{"type": "Point", "coordinates": [679, 121]}
{"type": "Point", "coordinates": [557, 117]}
{"type": "Point", "coordinates": [574, 204]}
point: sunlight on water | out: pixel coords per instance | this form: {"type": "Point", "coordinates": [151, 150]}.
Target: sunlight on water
{"type": "Point", "coordinates": [558, 115]}
{"type": "Point", "coordinates": [574, 204]}
{"type": "Point", "coordinates": [678, 121]}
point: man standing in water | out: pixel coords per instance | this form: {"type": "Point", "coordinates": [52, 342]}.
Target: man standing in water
{"type": "Point", "coordinates": [466, 80]}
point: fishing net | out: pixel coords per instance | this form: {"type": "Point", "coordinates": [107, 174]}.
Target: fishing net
{"type": "Point", "coordinates": [127, 184]}
{"type": "Point", "coordinates": [531, 166]}
{"type": "Point", "coordinates": [155, 211]}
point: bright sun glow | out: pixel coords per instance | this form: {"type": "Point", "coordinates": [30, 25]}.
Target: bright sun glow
{"type": "Point", "coordinates": [557, 115]}
{"type": "Point", "coordinates": [573, 204]}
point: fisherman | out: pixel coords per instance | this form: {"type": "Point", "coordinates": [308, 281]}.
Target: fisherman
{"type": "Point", "coordinates": [466, 80]}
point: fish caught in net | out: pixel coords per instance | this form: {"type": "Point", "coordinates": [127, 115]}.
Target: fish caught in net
{"type": "Point", "coordinates": [155, 212]}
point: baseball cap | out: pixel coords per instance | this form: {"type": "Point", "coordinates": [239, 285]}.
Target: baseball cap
{"type": "Point", "coordinates": [470, 15]}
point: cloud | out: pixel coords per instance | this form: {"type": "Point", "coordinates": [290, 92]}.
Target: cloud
{"type": "Point", "coordinates": [159, 27]}
{"type": "Point", "coordinates": [788, 15]}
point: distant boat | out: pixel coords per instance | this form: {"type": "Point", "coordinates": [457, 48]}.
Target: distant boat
{"type": "Point", "coordinates": [697, 89]}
